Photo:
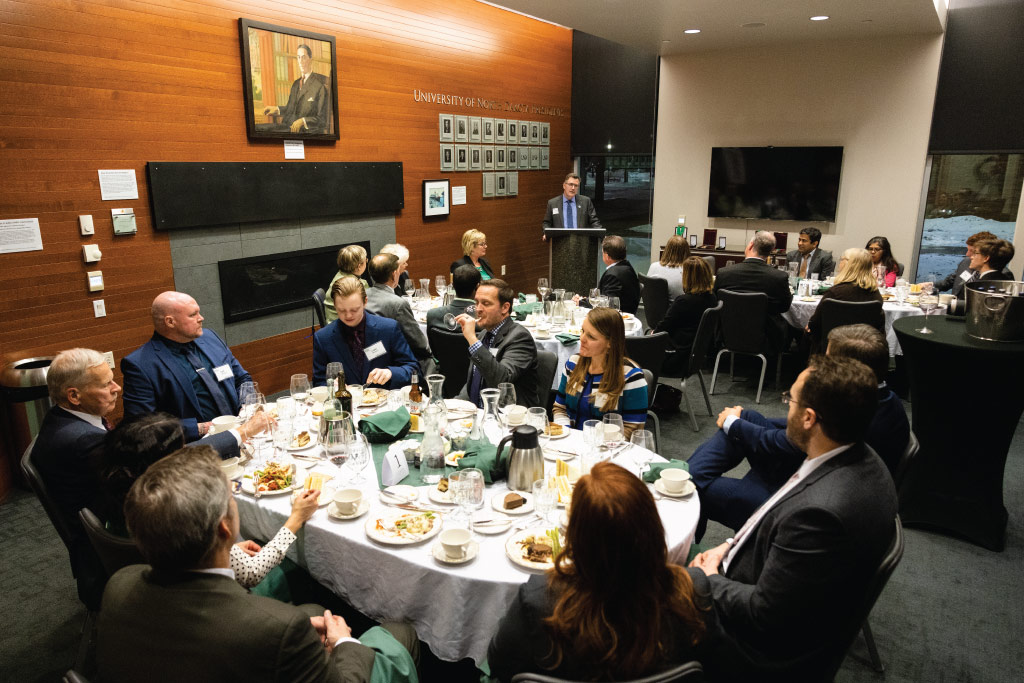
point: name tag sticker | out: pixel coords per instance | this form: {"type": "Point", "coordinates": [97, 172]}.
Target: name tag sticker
{"type": "Point", "coordinates": [554, 211]}
{"type": "Point", "coordinates": [494, 351]}
{"type": "Point", "coordinates": [374, 350]}
{"type": "Point", "coordinates": [223, 372]}
{"type": "Point", "coordinates": [600, 398]}
{"type": "Point", "coordinates": [966, 275]}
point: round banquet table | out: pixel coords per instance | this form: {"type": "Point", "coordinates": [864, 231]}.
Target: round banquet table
{"type": "Point", "coordinates": [801, 310]}
{"type": "Point", "coordinates": [454, 608]}
{"type": "Point", "coordinates": [965, 428]}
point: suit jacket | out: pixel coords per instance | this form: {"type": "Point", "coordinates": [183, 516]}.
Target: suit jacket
{"type": "Point", "coordinates": [960, 307]}
{"type": "Point", "coordinates": [206, 627]}
{"type": "Point", "coordinates": [511, 358]}
{"type": "Point", "coordinates": [793, 583]}
{"type": "Point", "coordinates": [754, 275]}
{"type": "Point", "coordinates": [586, 215]}
{"type": "Point", "coordinates": [620, 280]}
{"type": "Point", "coordinates": [821, 262]}
{"type": "Point", "coordinates": [956, 284]}
{"type": "Point", "coordinates": [155, 381]}
{"type": "Point", "coordinates": [329, 345]}
{"type": "Point", "coordinates": [435, 316]}
{"type": "Point", "coordinates": [311, 101]}
{"type": "Point", "coordinates": [466, 261]}
{"type": "Point", "coordinates": [381, 300]}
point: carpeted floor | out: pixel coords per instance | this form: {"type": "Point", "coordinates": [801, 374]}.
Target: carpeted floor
{"type": "Point", "coordinates": [951, 612]}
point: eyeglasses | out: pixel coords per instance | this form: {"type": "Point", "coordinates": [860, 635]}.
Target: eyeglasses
{"type": "Point", "coordinates": [573, 184]}
{"type": "Point", "coordinates": [874, 249]}
{"type": "Point", "coordinates": [788, 398]}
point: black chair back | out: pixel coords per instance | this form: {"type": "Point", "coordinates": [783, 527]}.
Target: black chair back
{"type": "Point", "coordinates": [64, 527]}
{"type": "Point", "coordinates": [649, 352]}
{"type": "Point", "coordinates": [452, 353]}
{"type": "Point", "coordinates": [114, 551]}
{"type": "Point", "coordinates": [906, 460]}
{"type": "Point", "coordinates": [710, 260]}
{"type": "Point", "coordinates": [705, 335]}
{"type": "Point", "coordinates": [836, 313]}
{"type": "Point", "coordinates": [743, 318]}
{"type": "Point", "coordinates": [547, 368]}
{"type": "Point", "coordinates": [73, 676]}
{"type": "Point", "coordinates": [856, 619]}
{"type": "Point", "coordinates": [318, 307]}
{"type": "Point", "coordinates": [655, 297]}
{"type": "Point", "coordinates": [691, 672]}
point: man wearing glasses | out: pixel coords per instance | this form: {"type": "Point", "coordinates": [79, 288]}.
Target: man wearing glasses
{"type": "Point", "coordinates": [571, 209]}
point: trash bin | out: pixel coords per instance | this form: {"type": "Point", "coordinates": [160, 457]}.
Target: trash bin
{"type": "Point", "coordinates": [25, 401]}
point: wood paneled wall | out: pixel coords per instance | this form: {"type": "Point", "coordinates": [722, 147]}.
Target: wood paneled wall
{"type": "Point", "coordinates": [99, 84]}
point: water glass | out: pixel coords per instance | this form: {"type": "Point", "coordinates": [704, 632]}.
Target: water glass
{"type": "Point", "coordinates": [332, 372]}
{"type": "Point", "coordinates": [441, 284]}
{"type": "Point", "coordinates": [612, 431]}
{"type": "Point", "coordinates": [641, 438]}
{"type": "Point", "coordinates": [358, 457]}
{"type": "Point", "coordinates": [285, 408]}
{"type": "Point", "coordinates": [299, 389]}
{"type": "Point", "coordinates": [538, 417]}
{"type": "Point", "coordinates": [409, 287]}
{"type": "Point", "coordinates": [613, 302]}
{"type": "Point", "coordinates": [545, 497]}
{"type": "Point", "coordinates": [506, 398]}
{"type": "Point", "coordinates": [281, 433]}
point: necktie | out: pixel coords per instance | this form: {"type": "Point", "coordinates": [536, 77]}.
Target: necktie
{"type": "Point", "coordinates": [107, 424]}
{"type": "Point", "coordinates": [803, 266]}
{"type": "Point", "coordinates": [477, 379]}
{"type": "Point", "coordinates": [570, 215]}
{"type": "Point", "coordinates": [223, 405]}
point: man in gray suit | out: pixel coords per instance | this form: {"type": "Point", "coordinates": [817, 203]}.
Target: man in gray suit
{"type": "Point", "coordinates": [786, 586]}
{"type": "Point", "coordinates": [506, 353]}
{"type": "Point", "coordinates": [810, 258]}
{"type": "Point", "coordinates": [569, 209]}
{"type": "Point", "coordinates": [465, 280]}
{"type": "Point", "coordinates": [381, 300]}
{"type": "Point", "coordinates": [186, 618]}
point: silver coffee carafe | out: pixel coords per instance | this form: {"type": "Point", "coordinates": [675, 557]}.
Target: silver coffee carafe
{"type": "Point", "coordinates": [525, 460]}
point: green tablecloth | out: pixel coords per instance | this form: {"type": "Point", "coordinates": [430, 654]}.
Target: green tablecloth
{"type": "Point", "coordinates": [484, 448]}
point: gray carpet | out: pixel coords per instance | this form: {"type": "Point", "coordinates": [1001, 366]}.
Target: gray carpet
{"type": "Point", "coordinates": [951, 612]}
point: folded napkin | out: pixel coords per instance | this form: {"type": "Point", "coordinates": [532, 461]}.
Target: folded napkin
{"type": "Point", "coordinates": [484, 456]}
{"type": "Point", "coordinates": [652, 475]}
{"type": "Point", "coordinates": [567, 339]}
{"type": "Point", "coordinates": [386, 427]}
{"type": "Point", "coordinates": [520, 311]}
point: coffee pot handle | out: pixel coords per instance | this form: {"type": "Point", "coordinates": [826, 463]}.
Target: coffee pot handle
{"type": "Point", "coordinates": [501, 444]}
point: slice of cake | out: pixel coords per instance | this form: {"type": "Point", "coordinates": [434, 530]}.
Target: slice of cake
{"type": "Point", "coordinates": [513, 501]}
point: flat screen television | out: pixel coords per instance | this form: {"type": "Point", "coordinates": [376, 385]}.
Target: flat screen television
{"type": "Point", "coordinates": [778, 183]}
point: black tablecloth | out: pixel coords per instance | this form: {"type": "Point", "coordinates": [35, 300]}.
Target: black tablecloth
{"type": "Point", "coordinates": [967, 397]}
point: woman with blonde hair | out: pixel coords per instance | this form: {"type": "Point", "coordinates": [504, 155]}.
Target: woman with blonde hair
{"type": "Point", "coordinates": [351, 261]}
{"type": "Point", "coordinates": [670, 266]}
{"type": "Point", "coordinates": [855, 282]}
{"type": "Point", "coordinates": [613, 607]}
{"type": "Point", "coordinates": [600, 379]}
{"type": "Point", "coordinates": [474, 246]}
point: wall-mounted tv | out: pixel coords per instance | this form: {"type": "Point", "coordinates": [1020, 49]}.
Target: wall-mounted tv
{"type": "Point", "coordinates": [778, 183]}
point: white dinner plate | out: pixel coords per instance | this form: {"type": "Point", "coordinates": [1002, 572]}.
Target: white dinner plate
{"type": "Point", "coordinates": [438, 496]}
{"type": "Point", "coordinates": [498, 503]}
{"type": "Point", "coordinates": [515, 551]}
{"type": "Point", "coordinates": [452, 459]}
{"type": "Point", "coordinates": [403, 490]}
{"type": "Point", "coordinates": [385, 535]}
{"type": "Point", "coordinates": [458, 405]}
{"type": "Point", "coordinates": [314, 439]}
{"type": "Point", "coordinates": [494, 525]}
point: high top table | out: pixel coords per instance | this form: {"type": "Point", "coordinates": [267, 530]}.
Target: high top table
{"type": "Point", "coordinates": [966, 402]}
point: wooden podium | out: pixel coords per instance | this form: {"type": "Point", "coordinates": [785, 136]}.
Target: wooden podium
{"type": "Point", "coordinates": [572, 258]}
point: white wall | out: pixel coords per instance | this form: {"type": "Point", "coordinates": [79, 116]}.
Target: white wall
{"type": "Point", "coordinates": [872, 97]}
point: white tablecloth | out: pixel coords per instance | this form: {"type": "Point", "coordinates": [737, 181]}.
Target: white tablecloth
{"type": "Point", "coordinates": [454, 608]}
{"type": "Point", "coordinates": [800, 312]}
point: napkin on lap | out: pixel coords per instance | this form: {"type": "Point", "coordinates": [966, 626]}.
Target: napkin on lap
{"type": "Point", "coordinates": [652, 475]}
{"type": "Point", "coordinates": [385, 427]}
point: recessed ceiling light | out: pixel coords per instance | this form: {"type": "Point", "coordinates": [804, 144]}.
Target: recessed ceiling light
{"type": "Point", "coordinates": [754, 24]}
{"type": "Point", "coordinates": [692, 30]}
{"type": "Point", "coordinates": [820, 17]}
{"type": "Point", "coordinates": [665, 42]}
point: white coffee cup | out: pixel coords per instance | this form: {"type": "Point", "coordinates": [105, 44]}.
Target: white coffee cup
{"type": "Point", "coordinates": [455, 542]}
{"type": "Point", "coordinates": [348, 500]}
{"type": "Point", "coordinates": [945, 299]}
{"type": "Point", "coordinates": [516, 415]}
{"type": "Point", "coordinates": [223, 423]}
{"type": "Point", "coordinates": [319, 394]}
{"type": "Point", "coordinates": [229, 467]}
{"type": "Point", "coordinates": [674, 479]}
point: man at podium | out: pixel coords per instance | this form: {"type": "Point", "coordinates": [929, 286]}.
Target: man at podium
{"type": "Point", "coordinates": [569, 209]}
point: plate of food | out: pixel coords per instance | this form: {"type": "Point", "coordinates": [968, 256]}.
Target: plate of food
{"type": "Point", "coordinates": [513, 502]}
{"type": "Point", "coordinates": [303, 440]}
{"type": "Point", "coordinates": [373, 397]}
{"type": "Point", "coordinates": [452, 459]}
{"type": "Point", "coordinates": [273, 479]}
{"type": "Point", "coordinates": [535, 548]}
{"type": "Point", "coordinates": [403, 529]}
{"type": "Point", "coordinates": [556, 431]}
{"type": "Point", "coordinates": [440, 493]}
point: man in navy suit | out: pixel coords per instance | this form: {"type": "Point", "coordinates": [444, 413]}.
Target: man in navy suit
{"type": "Point", "coordinates": [372, 349]}
{"type": "Point", "coordinates": [183, 370]}
{"type": "Point", "coordinates": [772, 456]}
{"type": "Point", "coordinates": [754, 274]}
{"type": "Point", "coordinates": [569, 209]}
{"type": "Point", "coordinates": [619, 279]}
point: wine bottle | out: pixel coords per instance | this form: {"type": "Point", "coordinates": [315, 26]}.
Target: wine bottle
{"type": "Point", "coordinates": [342, 393]}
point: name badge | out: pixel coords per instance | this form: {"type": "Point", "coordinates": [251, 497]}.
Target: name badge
{"type": "Point", "coordinates": [394, 468]}
{"type": "Point", "coordinates": [554, 211]}
{"type": "Point", "coordinates": [494, 351]}
{"type": "Point", "coordinates": [374, 350]}
{"type": "Point", "coordinates": [223, 372]}
{"type": "Point", "coordinates": [600, 398]}
{"type": "Point", "coordinates": [966, 275]}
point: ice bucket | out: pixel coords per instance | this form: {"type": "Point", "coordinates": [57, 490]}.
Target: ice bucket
{"type": "Point", "coordinates": [995, 310]}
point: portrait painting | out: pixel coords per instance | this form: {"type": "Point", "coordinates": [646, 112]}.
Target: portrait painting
{"type": "Point", "coordinates": [289, 79]}
{"type": "Point", "coordinates": [436, 198]}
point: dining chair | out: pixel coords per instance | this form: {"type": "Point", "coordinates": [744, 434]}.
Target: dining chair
{"type": "Point", "coordinates": [836, 313]}
{"type": "Point", "coordinates": [743, 318]}
{"type": "Point", "coordinates": [691, 672]}
{"type": "Point", "coordinates": [114, 551]}
{"type": "Point", "coordinates": [547, 367]}
{"type": "Point", "coordinates": [73, 676]}
{"type": "Point", "coordinates": [319, 314]}
{"type": "Point", "coordinates": [698, 356]}
{"type": "Point", "coordinates": [649, 353]}
{"type": "Point", "coordinates": [655, 298]}
{"type": "Point", "coordinates": [906, 461]}
{"type": "Point", "coordinates": [652, 386]}
{"type": "Point", "coordinates": [452, 353]}
{"type": "Point", "coordinates": [710, 260]}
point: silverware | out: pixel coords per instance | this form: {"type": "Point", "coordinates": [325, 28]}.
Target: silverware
{"type": "Point", "coordinates": [394, 496]}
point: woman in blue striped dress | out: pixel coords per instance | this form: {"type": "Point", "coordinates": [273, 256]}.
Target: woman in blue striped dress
{"type": "Point", "coordinates": [600, 379]}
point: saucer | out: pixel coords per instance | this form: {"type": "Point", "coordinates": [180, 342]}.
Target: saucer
{"type": "Point", "coordinates": [688, 488]}
{"type": "Point", "coordinates": [493, 529]}
{"type": "Point", "coordinates": [364, 505]}
{"type": "Point", "coordinates": [472, 550]}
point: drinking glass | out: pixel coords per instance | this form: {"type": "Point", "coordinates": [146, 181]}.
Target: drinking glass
{"type": "Point", "coordinates": [613, 302]}
{"type": "Point", "coordinates": [594, 293]}
{"type": "Point", "coordinates": [281, 434]}
{"type": "Point", "coordinates": [441, 284]}
{"type": "Point", "coordinates": [538, 417]}
{"type": "Point", "coordinates": [358, 457]}
{"type": "Point", "coordinates": [641, 438]}
{"type": "Point", "coordinates": [612, 431]}
{"type": "Point", "coordinates": [409, 287]}
{"type": "Point", "coordinates": [357, 396]}
{"type": "Point", "coordinates": [332, 372]}
{"type": "Point", "coordinates": [245, 391]}
{"type": "Point", "coordinates": [545, 497]}
{"type": "Point", "coordinates": [336, 442]}
{"type": "Point", "coordinates": [286, 408]}
{"type": "Point", "coordinates": [542, 288]}
{"type": "Point", "coordinates": [929, 302]}
{"type": "Point", "coordinates": [466, 487]}
{"type": "Point", "coordinates": [300, 388]}
{"type": "Point", "coordinates": [506, 399]}
{"type": "Point", "coordinates": [449, 318]}
{"type": "Point", "coordinates": [425, 285]}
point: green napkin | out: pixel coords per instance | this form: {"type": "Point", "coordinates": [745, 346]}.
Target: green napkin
{"type": "Point", "coordinates": [520, 311]}
{"type": "Point", "coordinates": [386, 427]}
{"type": "Point", "coordinates": [522, 298]}
{"type": "Point", "coordinates": [652, 475]}
{"type": "Point", "coordinates": [567, 339]}
{"type": "Point", "coordinates": [483, 455]}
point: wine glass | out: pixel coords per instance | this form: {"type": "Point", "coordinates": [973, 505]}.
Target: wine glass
{"type": "Point", "coordinates": [463, 485]}
{"type": "Point", "coordinates": [613, 302]}
{"type": "Point", "coordinates": [506, 399]}
{"type": "Point", "coordinates": [538, 417]}
{"type": "Point", "coordinates": [542, 288]}
{"type": "Point", "coordinates": [245, 391]}
{"type": "Point", "coordinates": [594, 294]}
{"type": "Point", "coordinates": [545, 496]}
{"type": "Point", "coordinates": [358, 457]}
{"type": "Point", "coordinates": [441, 284]}
{"type": "Point", "coordinates": [336, 442]}
{"type": "Point", "coordinates": [449, 318]}
{"type": "Point", "coordinates": [409, 287]}
{"type": "Point", "coordinates": [612, 430]}
{"type": "Point", "coordinates": [641, 438]}
{"type": "Point", "coordinates": [300, 388]}
{"type": "Point", "coordinates": [929, 302]}
{"type": "Point", "coordinates": [332, 372]}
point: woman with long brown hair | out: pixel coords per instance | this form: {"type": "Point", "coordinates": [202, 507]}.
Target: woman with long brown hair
{"type": "Point", "coordinates": [684, 315]}
{"type": "Point", "coordinates": [613, 608]}
{"type": "Point", "coordinates": [600, 379]}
